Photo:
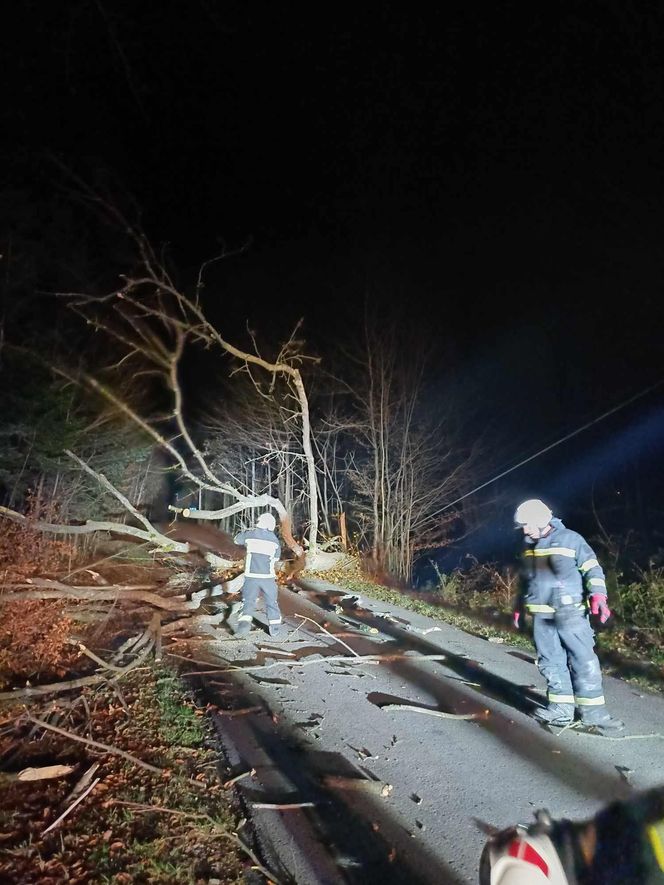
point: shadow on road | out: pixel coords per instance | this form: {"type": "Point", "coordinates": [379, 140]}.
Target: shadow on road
{"type": "Point", "coordinates": [537, 745]}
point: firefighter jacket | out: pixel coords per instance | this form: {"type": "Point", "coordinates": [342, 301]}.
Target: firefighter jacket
{"type": "Point", "coordinates": [559, 571]}
{"type": "Point", "coordinates": [263, 550]}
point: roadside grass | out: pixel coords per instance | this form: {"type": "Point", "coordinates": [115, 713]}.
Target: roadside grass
{"type": "Point", "coordinates": [641, 603]}
{"type": "Point", "coordinates": [180, 726]}
{"type": "Point", "coordinates": [174, 827]}
{"type": "Point", "coordinates": [480, 602]}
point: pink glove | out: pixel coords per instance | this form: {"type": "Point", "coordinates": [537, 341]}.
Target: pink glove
{"type": "Point", "coordinates": [599, 606]}
{"type": "Point", "coordinates": [515, 619]}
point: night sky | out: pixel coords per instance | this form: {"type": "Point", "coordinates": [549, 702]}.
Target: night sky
{"type": "Point", "coordinates": [493, 169]}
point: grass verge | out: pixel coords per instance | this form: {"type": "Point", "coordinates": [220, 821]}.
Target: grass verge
{"type": "Point", "coordinates": [171, 827]}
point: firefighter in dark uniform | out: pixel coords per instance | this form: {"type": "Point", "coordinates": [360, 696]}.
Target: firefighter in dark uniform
{"type": "Point", "coordinates": [263, 551]}
{"type": "Point", "coordinates": [561, 580]}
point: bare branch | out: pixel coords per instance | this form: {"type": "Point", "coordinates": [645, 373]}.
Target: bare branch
{"type": "Point", "coordinates": [47, 589]}
{"type": "Point", "coordinates": [154, 537]}
{"type": "Point", "coordinates": [101, 479]}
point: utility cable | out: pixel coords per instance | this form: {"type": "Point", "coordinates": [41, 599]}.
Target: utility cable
{"type": "Point", "coordinates": [552, 445]}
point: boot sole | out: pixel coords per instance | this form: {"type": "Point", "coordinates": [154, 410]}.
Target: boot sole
{"type": "Point", "coordinates": [599, 730]}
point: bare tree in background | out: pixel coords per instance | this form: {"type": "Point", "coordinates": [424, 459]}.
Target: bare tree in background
{"type": "Point", "coordinates": [253, 435]}
{"type": "Point", "coordinates": [408, 458]}
{"type": "Point", "coordinates": [335, 458]}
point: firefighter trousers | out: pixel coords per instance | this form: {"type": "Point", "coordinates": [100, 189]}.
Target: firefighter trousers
{"type": "Point", "coordinates": [566, 658]}
{"type": "Point", "coordinates": [250, 591]}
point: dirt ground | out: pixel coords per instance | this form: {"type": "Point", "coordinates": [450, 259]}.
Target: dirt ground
{"type": "Point", "coordinates": [128, 780]}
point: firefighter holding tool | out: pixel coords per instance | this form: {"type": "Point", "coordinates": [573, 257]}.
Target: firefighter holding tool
{"type": "Point", "coordinates": [263, 551]}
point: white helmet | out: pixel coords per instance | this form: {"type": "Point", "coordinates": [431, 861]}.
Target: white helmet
{"type": "Point", "coordinates": [533, 512]}
{"type": "Point", "coordinates": [525, 860]}
{"type": "Point", "coordinates": [266, 521]}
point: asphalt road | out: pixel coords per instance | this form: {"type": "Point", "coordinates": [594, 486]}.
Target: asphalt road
{"type": "Point", "coordinates": [394, 795]}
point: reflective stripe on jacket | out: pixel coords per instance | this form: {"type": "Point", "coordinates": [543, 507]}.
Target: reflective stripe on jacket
{"type": "Point", "coordinates": [559, 570]}
{"type": "Point", "coordinates": [263, 550]}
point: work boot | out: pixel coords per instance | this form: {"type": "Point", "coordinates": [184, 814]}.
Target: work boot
{"type": "Point", "coordinates": [243, 628]}
{"type": "Point", "coordinates": [276, 631]}
{"type": "Point", "coordinates": [602, 722]}
{"type": "Point", "coordinates": [555, 714]}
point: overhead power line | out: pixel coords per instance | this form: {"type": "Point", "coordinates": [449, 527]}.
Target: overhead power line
{"type": "Point", "coordinates": [552, 445]}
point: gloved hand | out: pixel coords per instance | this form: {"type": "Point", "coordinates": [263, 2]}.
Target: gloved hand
{"type": "Point", "coordinates": [599, 606]}
{"type": "Point", "coordinates": [516, 616]}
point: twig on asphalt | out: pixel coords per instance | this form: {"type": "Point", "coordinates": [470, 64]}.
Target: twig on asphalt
{"type": "Point", "coordinates": [340, 782]}
{"type": "Point", "coordinates": [277, 651]}
{"type": "Point", "coordinates": [624, 737]}
{"type": "Point", "coordinates": [275, 806]}
{"type": "Point", "coordinates": [238, 777]}
{"type": "Point", "coordinates": [245, 711]}
{"type": "Point", "coordinates": [331, 635]}
{"type": "Point", "coordinates": [358, 659]}
{"type": "Point", "coordinates": [569, 725]}
{"type": "Point", "coordinates": [350, 675]}
{"type": "Point", "coordinates": [391, 708]}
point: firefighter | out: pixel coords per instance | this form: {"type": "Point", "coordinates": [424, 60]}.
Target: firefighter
{"type": "Point", "coordinates": [623, 844]}
{"type": "Point", "coordinates": [263, 550]}
{"type": "Point", "coordinates": [561, 579]}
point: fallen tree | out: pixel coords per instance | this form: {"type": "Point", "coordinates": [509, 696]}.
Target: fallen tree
{"type": "Point", "coordinates": [154, 321]}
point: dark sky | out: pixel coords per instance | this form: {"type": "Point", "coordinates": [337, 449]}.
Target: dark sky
{"type": "Point", "coordinates": [496, 167]}
{"type": "Point", "coordinates": [495, 143]}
